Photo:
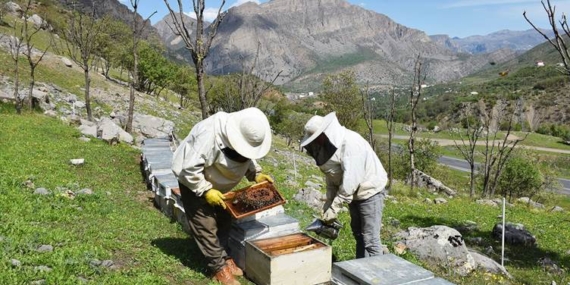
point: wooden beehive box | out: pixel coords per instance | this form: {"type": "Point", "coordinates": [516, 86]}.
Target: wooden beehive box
{"type": "Point", "coordinates": [237, 209]}
{"type": "Point", "coordinates": [289, 259]}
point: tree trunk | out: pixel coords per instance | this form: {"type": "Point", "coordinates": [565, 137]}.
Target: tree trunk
{"type": "Point", "coordinates": [16, 87]}
{"type": "Point", "coordinates": [201, 89]}
{"type": "Point", "coordinates": [390, 123]}
{"type": "Point", "coordinates": [87, 96]}
{"type": "Point", "coordinates": [32, 84]}
{"type": "Point", "coordinates": [472, 180]}
{"type": "Point", "coordinates": [132, 97]}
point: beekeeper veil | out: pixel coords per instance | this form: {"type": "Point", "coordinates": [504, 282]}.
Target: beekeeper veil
{"type": "Point", "coordinates": [323, 136]}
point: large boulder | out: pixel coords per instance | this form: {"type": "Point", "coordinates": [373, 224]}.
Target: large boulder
{"type": "Point", "coordinates": [152, 127]}
{"type": "Point", "coordinates": [515, 234]}
{"type": "Point", "coordinates": [313, 198]}
{"type": "Point", "coordinates": [108, 131]}
{"type": "Point", "coordinates": [439, 246]}
{"type": "Point", "coordinates": [88, 128]}
{"type": "Point", "coordinates": [487, 264]}
{"type": "Point", "coordinates": [38, 22]}
{"type": "Point", "coordinates": [13, 8]}
{"type": "Point", "coordinates": [66, 61]}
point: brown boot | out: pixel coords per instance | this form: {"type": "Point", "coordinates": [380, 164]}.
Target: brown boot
{"type": "Point", "coordinates": [236, 271]}
{"type": "Point", "coordinates": [225, 276]}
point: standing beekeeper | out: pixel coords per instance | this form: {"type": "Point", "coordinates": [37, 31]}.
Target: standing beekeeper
{"type": "Point", "coordinates": [354, 176]}
{"type": "Point", "coordinates": [212, 159]}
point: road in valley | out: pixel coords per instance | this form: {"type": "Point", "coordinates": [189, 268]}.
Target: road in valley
{"type": "Point", "coordinates": [463, 165]}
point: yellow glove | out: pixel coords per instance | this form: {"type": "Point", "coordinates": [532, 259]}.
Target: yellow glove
{"type": "Point", "coordinates": [263, 177]}
{"type": "Point", "coordinates": [215, 198]}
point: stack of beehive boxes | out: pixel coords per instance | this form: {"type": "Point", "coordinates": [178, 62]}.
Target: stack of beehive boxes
{"type": "Point", "coordinates": [156, 162]}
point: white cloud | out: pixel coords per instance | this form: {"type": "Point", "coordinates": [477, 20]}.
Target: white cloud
{"type": "Point", "coordinates": [210, 14]}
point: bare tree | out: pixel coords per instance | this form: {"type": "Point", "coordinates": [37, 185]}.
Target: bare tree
{"type": "Point", "coordinates": [415, 96]}
{"type": "Point", "coordinates": [497, 152]}
{"type": "Point", "coordinates": [368, 113]}
{"type": "Point", "coordinates": [134, 72]}
{"type": "Point", "coordinates": [2, 12]}
{"type": "Point", "coordinates": [243, 90]}
{"type": "Point", "coordinates": [33, 62]}
{"type": "Point", "coordinates": [467, 148]}
{"type": "Point", "coordinates": [15, 44]}
{"type": "Point", "coordinates": [199, 44]}
{"type": "Point", "coordinates": [390, 126]}
{"type": "Point", "coordinates": [251, 89]}
{"type": "Point", "coordinates": [80, 40]}
{"type": "Point", "coordinates": [558, 42]}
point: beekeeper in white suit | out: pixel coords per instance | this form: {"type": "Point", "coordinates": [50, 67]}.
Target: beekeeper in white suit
{"type": "Point", "coordinates": [212, 159]}
{"type": "Point", "coordinates": [354, 176]}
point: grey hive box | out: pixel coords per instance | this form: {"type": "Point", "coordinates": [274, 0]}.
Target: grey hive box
{"type": "Point", "coordinates": [385, 269]}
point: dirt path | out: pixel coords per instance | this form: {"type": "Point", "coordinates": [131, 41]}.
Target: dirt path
{"type": "Point", "coordinates": [446, 142]}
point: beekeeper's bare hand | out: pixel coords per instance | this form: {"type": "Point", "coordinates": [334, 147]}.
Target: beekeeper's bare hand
{"type": "Point", "coordinates": [263, 177]}
{"type": "Point", "coordinates": [215, 198]}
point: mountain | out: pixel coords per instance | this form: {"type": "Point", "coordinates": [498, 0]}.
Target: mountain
{"type": "Point", "coordinates": [114, 9]}
{"type": "Point", "coordinates": [165, 28]}
{"type": "Point", "coordinates": [515, 40]}
{"type": "Point", "coordinates": [541, 89]}
{"type": "Point", "coordinates": [308, 39]}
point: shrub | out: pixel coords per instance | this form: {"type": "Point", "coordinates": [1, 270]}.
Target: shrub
{"type": "Point", "coordinates": [520, 178]}
{"type": "Point", "coordinates": [426, 154]}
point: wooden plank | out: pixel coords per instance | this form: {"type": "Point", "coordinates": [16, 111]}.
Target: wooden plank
{"type": "Point", "coordinates": [293, 249]}
{"type": "Point", "coordinates": [283, 242]}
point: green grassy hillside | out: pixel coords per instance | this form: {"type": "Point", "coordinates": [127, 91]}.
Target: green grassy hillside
{"type": "Point", "coordinates": [119, 223]}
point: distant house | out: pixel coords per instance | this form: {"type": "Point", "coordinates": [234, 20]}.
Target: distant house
{"type": "Point", "coordinates": [539, 63]}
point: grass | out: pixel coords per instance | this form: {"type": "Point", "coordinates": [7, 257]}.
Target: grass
{"type": "Point", "coordinates": [119, 223]}
{"type": "Point", "coordinates": [116, 223]}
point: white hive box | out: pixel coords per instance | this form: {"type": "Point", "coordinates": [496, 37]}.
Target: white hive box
{"type": "Point", "coordinates": [290, 259]}
{"type": "Point", "coordinates": [272, 225]}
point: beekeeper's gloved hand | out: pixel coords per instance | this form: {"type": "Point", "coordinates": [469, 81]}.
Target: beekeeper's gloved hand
{"type": "Point", "coordinates": [263, 177]}
{"type": "Point", "coordinates": [330, 214]}
{"type": "Point", "coordinates": [215, 198]}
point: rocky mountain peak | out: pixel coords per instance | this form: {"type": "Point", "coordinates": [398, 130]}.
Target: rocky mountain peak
{"type": "Point", "coordinates": [306, 39]}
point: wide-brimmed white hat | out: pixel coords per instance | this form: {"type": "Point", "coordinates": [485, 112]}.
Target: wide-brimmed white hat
{"type": "Point", "coordinates": [249, 133]}
{"type": "Point", "coordinates": [315, 126]}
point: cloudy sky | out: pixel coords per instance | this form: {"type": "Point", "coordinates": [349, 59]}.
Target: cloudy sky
{"type": "Point", "coordinates": [459, 18]}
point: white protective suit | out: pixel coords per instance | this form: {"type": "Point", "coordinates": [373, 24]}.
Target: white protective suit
{"type": "Point", "coordinates": [354, 172]}
{"type": "Point", "coordinates": [200, 164]}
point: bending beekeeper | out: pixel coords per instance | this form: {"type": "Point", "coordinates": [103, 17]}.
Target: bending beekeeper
{"type": "Point", "coordinates": [212, 159]}
{"type": "Point", "coordinates": [354, 176]}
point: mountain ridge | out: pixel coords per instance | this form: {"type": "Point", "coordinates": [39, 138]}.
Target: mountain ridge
{"type": "Point", "coordinates": [301, 39]}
